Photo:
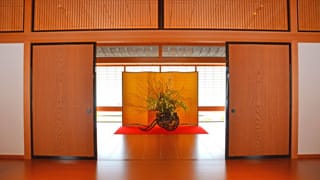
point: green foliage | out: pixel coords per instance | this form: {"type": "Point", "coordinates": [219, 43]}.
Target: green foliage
{"type": "Point", "coordinates": [163, 98]}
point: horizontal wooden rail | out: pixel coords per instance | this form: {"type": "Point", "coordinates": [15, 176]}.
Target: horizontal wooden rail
{"type": "Point", "coordinates": [109, 108]}
{"type": "Point", "coordinates": [211, 108]}
{"type": "Point", "coordinates": [308, 156]}
{"type": "Point", "coordinates": [12, 157]}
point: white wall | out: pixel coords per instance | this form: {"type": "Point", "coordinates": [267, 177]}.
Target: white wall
{"type": "Point", "coordinates": [309, 98]}
{"type": "Point", "coordinates": [11, 99]}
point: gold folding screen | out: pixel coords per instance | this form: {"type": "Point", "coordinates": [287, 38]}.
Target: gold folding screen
{"type": "Point", "coordinates": [136, 88]}
{"type": "Point", "coordinates": [226, 14]}
{"type": "Point", "coordinates": [11, 15]}
{"type": "Point", "coordinates": [309, 15]}
{"type": "Point", "coordinates": [52, 15]}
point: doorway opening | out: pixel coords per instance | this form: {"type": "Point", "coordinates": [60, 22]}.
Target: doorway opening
{"type": "Point", "coordinates": [207, 61]}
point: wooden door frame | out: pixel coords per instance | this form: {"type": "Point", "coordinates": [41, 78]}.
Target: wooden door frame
{"type": "Point", "coordinates": [131, 38]}
{"type": "Point", "coordinates": [94, 101]}
{"type": "Point", "coordinates": [290, 99]}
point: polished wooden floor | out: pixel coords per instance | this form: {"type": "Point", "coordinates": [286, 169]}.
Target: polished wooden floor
{"type": "Point", "coordinates": [161, 157]}
{"type": "Point", "coordinates": [156, 147]}
{"type": "Point", "coordinates": [266, 169]}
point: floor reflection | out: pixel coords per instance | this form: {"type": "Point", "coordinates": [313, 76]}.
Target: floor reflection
{"type": "Point", "coordinates": [155, 147]}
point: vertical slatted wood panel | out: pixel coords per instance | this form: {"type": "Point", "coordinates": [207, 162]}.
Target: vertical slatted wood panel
{"type": "Point", "coordinates": [227, 14]}
{"type": "Point", "coordinates": [11, 15]}
{"type": "Point", "coordinates": [94, 14]}
{"type": "Point", "coordinates": [309, 15]}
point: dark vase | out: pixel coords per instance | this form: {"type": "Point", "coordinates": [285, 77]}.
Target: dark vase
{"type": "Point", "coordinates": [167, 120]}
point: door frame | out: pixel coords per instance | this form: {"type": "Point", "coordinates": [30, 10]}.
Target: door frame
{"type": "Point", "coordinates": [227, 101]}
{"type": "Point", "coordinates": [94, 102]}
{"type": "Point", "coordinates": [226, 107]}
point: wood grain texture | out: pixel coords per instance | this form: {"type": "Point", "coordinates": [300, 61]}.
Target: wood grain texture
{"type": "Point", "coordinates": [293, 14]}
{"type": "Point", "coordinates": [309, 15]}
{"type": "Point", "coordinates": [259, 92]}
{"type": "Point", "coordinates": [11, 157]}
{"type": "Point", "coordinates": [308, 156]}
{"type": "Point", "coordinates": [294, 99]}
{"type": "Point", "coordinates": [95, 14]}
{"type": "Point", "coordinates": [277, 169]}
{"type": "Point", "coordinates": [113, 147]}
{"type": "Point", "coordinates": [62, 93]}
{"type": "Point", "coordinates": [11, 15]}
{"type": "Point", "coordinates": [221, 14]}
{"type": "Point", "coordinates": [27, 100]}
{"type": "Point", "coordinates": [154, 37]}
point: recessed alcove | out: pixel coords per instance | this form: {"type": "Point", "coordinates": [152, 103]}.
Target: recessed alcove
{"type": "Point", "coordinates": [208, 62]}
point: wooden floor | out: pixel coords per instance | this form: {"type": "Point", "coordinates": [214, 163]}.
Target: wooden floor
{"type": "Point", "coordinates": [268, 169]}
{"type": "Point", "coordinates": [163, 157]}
{"type": "Point", "coordinates": [156, 147]}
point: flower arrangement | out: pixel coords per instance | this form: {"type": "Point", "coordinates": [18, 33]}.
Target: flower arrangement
{"type": "Point", "coordinates": [164, 100]}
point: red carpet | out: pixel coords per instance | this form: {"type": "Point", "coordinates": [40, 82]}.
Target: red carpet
{"type": "Point", "coordinates": [159, 130]}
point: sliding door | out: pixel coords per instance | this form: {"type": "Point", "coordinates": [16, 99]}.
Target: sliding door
{"type": "Point", "coordinates": [259, 100]}
{"type": "Point", "coordinates": [63, 120]}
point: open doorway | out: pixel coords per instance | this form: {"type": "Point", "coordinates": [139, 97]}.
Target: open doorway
{"type": "Point", "coordinates": [207, 61]}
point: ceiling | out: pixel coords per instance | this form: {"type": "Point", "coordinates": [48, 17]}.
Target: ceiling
{"type": "Point", "coordinates": [166, 51]}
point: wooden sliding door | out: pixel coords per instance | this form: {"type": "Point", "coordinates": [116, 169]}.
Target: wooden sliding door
{"type": "Point", "coordinates": [63, 120]}
{"type": "Point", "coordinates": [259, 100]}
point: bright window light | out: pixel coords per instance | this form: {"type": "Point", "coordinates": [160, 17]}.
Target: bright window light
{"type": "Point", "coordinates": [109, 85]}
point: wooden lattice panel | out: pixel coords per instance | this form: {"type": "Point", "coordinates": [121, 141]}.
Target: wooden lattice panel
{"type": "Point", "coordinates": [53, 15]}
{"type": "Point", "coordinates": [11, 15]}
{"type": "Point", "coordinates": [309, 15]}
{"type": "Point", "coordinates": [227, 14]}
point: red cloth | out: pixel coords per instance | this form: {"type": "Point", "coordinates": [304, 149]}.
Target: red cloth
{"type": "Point", "coordinates": [158, 130]}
